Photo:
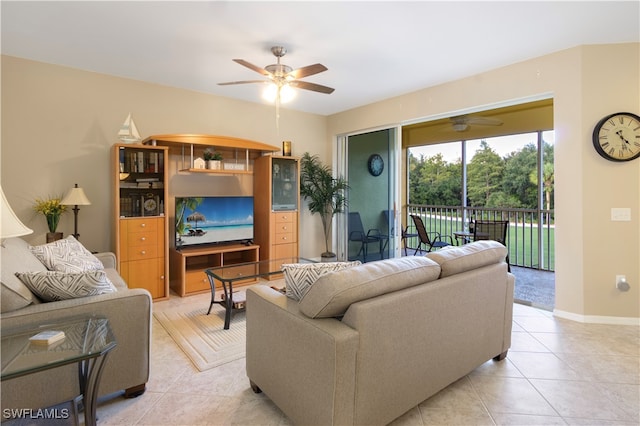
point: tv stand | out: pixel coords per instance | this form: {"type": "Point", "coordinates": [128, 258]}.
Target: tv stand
{"type": "Point", "coordinates": [189, 263]}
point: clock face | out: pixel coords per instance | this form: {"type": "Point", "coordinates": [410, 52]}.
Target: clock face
{"type": "Point", "coordinates": [150, 204]}
{"type": "Point", "coordinates": [375, 165]}
{"type": "Point", "coordinates": [617, 137]}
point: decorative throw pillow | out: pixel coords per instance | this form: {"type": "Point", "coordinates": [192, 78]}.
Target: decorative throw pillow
{"type": "Point", "coordinates": [299, 277]}
{"type": "Point", "coordinates": [67, 255]}
{"type": "Point", "coordinates": [54, 285]}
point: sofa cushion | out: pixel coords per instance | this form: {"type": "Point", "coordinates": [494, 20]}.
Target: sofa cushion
{"type": "Point", "coordinates": [470, 256]}
{"type": "Point", "coordinates": [67, 255]}
{"type": "Point", "coordinates": [55, 285]}
{"type": "Point", "coordinates": [16, 257]}
{"type": "Point", "coordinates": [333, 293]}
{"type": "Point", "coordinates": [299, 277]}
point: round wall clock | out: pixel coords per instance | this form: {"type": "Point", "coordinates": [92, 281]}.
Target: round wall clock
{"type": "Point", "coordinates": [617, 136]}
{"type": "Point", "coordinates": [375, 165]}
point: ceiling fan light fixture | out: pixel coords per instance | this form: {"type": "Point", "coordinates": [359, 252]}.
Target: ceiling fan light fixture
{"type": "Point", "coordinates": [460, 127]}
{"type": "Point", "coordinates": [282, 78]}
{"type": "Point", "coordinates": [286, 93]}
{"type": "Point", "coordinates": [270, 92]}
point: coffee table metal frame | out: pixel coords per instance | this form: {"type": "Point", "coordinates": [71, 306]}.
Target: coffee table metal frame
{"type": "Point", "coordinates": [230, 274]}
{"type": "Point", "coordinates": [87, 342]}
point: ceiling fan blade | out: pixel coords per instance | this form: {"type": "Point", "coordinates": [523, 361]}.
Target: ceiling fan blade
{"type": "Point", "coordinates": [312, 86]}
{"type": "Point", "coordinates": [252, 67]}
{"type": "Point", "coordinates": [486, 121]}
{"type": "Point", "coordinates": [307, 71]}
{"type": "Point", "coordinates": [472, 119]}
{"type": "Point", "coordinates": [242, 82]}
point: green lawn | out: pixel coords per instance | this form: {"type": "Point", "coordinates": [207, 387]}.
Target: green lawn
{"type": "Point", "coordinates": [523, 242]}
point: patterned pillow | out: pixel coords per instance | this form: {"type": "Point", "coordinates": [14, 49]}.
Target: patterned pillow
{"type": "Point", "coordinates": [54, 285]}
{"type": "Point", "coordinates": [66, 255]}
{"type": "Point", "coordinates": [299, 277]}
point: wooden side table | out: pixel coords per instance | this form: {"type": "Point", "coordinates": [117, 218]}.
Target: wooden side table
{"type": "Point", "coordinates": [87, 342]}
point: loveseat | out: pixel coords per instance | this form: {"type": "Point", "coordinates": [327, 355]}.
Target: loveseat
{"type": "Point", "coordinates": [129, 313]}
{"type": "Point", "coordinates": [367, 343]}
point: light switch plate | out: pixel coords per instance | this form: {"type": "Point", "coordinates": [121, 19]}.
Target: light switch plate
{"type": "Point", "coordinates": [620, 214]}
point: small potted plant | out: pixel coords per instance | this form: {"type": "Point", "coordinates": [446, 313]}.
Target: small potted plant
{"type": "Point", "coordinates": [213, 159]}
{"type": "Point", "coordinates": [52, 210]}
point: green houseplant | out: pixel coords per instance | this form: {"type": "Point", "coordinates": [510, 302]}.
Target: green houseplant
{"type": "Point", "coordinates": [324, 193]}
{"type": "Point", "coordinates": [213, 158]}
{"type": "Point", "coordinates": [51, 209]}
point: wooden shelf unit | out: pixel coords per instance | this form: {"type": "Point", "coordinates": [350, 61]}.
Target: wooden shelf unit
{"type": "Point", "coordinates": [188, 265]}
{"type": "Point", "coordinates": [276, 192]}
{"type": "Point", "coordinates": [234, 150]}
{"type": "Point", "coordinates": [141, 227]}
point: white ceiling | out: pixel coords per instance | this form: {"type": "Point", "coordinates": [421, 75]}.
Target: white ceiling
{"type": "Point", "coordinates": [374, 50]}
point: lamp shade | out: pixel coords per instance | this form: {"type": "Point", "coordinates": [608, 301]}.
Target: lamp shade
{"type": "Point", "coordinates": [75, 197]}
{"type": "Point", "coordinates": [11, 225]}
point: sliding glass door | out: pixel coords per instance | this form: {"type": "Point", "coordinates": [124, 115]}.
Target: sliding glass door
{"type": "Point", "coordinates": [370, 229]}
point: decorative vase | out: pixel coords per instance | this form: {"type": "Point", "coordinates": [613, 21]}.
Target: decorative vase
{"type": "Point", "coordinates": [53, 236]}
{"type": "Point", "coordinates": [52, 222]}
{"type": "Point", "coordinates": [214, 164]}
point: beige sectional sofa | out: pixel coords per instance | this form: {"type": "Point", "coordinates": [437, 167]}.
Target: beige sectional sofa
{"type": "Point", "coordinates": [129, 314]}
{"type": "Point", "coordinates": [368, 343]}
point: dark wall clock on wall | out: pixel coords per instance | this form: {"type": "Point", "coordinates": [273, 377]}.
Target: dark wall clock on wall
{"type": "Point", "coordinates": [617, 136]}
{"type": "Point", "coordinates": [375, 165]}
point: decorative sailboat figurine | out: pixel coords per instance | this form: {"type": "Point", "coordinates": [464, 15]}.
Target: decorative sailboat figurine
{"type": "Point", "coordinates": [128, 131]}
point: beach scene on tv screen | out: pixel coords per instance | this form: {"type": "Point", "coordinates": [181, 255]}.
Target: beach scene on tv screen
{"type": "Point", "coordinates": [210, 220]}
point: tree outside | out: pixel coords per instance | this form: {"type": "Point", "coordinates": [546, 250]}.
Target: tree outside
{"type": "Point", "coordinates": [493, 181]}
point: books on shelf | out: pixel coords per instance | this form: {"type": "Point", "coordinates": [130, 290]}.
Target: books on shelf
{"type": "Point", "coordinates": [141, 162]}
{"type": "Point", "coordinates": [47, 337]}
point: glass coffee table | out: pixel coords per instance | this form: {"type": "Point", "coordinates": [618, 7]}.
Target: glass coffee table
{"type": "Point", "coordinates": [87, 342]}
{"type": "Point", "coordinates": [229, 274]}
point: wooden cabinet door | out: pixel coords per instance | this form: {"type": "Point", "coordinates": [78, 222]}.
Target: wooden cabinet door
{"type": "Point", "coordinates": [147, 274]}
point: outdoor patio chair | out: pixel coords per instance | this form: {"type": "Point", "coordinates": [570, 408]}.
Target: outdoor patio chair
{"type": "Point", "coordinates": [357, 234]}
{"type": "Point", "coordinates": [492, 230]}
{"type": "Point", "coordinates": [424, 237]}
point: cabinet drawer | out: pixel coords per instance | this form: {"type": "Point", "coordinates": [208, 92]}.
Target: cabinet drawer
{"type": "Point", "coordinates": [196, 281]}
{"type": "Point", "coordinates": [284, 227]}
{"type": "Point", "coordinates": [143, 252]}
{"type": "Point", "coordinates": [284, 217]}
{"type": "Point", "coordinates": [142, 239]}
{"type": "Point", "coordinates": [149, 225]}
{"type": "Point", "coordinates": [241, 270]}
{"type": "Point", "coordinates": [284, 238]}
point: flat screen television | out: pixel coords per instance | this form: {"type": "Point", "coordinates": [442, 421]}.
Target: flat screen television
{"type": "Point", "coordinates": [213, 220]}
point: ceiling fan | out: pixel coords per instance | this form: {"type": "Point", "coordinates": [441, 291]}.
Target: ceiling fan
{"type": "Point", "coordinates": [282, 75]}
{"type": "Point", "coordinates": [461, 123]}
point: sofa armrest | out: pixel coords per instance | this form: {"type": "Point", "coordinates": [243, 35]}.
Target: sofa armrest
{"type": "Point", "coordinates": [306, 366]}
{"type": "Point", "coordinates": [107, 258]}
{"type": "Point", "coordinates": [127, 366]}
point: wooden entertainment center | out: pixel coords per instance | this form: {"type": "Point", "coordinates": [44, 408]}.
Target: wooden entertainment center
{"type": "Point", "coordinates": [272, 236]}
{"type": "Point", "coordinates": [188, 265]}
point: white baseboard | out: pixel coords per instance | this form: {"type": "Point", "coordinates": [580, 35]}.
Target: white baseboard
{"type": "Point", "coordinates": [597, 319]}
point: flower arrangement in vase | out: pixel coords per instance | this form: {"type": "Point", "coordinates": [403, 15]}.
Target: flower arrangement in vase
{"type": "Point", "coordinates": [213, 159]}
{"type": "Point", "coordinates": [52, 210]}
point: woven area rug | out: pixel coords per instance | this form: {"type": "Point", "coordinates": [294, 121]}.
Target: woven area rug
{"type": "Point", "coordinates": [202, 337]}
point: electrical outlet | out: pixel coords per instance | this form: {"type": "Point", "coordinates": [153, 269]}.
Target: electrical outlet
{"type": "Point", "coordinates": [620, 214]}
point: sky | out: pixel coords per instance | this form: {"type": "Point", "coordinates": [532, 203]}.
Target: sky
{"type": "Point", "coordinates": [503, 146]}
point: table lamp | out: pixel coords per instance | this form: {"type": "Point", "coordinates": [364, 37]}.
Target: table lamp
{"type": "Point", "coordinates": [10, 225]}
{"type": "Point", "coordinates": [75, 197]}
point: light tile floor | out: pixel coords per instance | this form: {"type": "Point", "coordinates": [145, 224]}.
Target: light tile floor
{"type": "Point", "coordinates": [557, 372]}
